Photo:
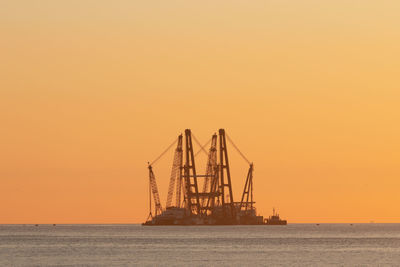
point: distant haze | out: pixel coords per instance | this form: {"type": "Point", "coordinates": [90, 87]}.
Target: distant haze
{"type": "Point", "coordinates": [92, 90]}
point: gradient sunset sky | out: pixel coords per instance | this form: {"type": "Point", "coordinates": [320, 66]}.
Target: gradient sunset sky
{"type": "Point", "coordinates": [92, 90]}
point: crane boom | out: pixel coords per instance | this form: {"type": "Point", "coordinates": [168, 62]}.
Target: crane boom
{"type": "Point", "coordinates": [210, 168]}
{"type": "Point", "coordinates": [247, 196]}
{"type": "Point", "coordinates": [176, 175]}
{"type": "Point", "coordinates": [154, 190]}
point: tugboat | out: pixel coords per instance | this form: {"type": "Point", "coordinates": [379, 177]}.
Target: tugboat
{"type": "Point", "coordinates": [274, 219]}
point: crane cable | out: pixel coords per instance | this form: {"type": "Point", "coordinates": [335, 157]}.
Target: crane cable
{"type": "Point", "coordinates": [237, 149]}
{"type": "Point", "coordinates": [163, 153]}
{"type": "Point", "coordinates": [201, 146]}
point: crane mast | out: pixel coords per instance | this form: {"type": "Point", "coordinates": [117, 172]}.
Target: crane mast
{"type": "Point", "coordinates": [192, 199]}
{"type": "Point", "coordinates": [225, 177]}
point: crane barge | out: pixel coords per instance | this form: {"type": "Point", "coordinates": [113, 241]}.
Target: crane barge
{"type": "Point", "coordinates": [203, 199]}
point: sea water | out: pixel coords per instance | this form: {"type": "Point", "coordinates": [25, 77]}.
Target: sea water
{"type": "Point", "coordinates": [127, 245]}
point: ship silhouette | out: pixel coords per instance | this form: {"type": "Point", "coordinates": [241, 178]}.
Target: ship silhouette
{"type": "Point", "coordinates": [274, 219]}
{"type": "Point", "coordinates": [204, 199]}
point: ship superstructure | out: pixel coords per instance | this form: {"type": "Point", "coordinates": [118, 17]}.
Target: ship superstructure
{"type": "Point", "coordinates": [274, 219]}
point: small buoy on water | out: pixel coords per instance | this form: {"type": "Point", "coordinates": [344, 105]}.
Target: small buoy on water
{"type": "Point", "coordinates": [36, 224]}
{"type": "Point", "coordinates": [54, 224]}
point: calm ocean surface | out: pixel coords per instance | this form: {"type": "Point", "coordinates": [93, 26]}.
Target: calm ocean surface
{"type": "Point", "coordinates": [122, 245]}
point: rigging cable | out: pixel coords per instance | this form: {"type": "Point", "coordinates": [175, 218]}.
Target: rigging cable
{"type": "Point", "coordinates": [237, 149]}
{"type": "Point", "coordinates": [201, 146]}
{"type": "Point", "coordinates": [163, 153]}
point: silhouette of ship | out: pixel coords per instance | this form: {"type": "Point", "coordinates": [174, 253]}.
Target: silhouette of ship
{"type": "Point", "coordinates": [207, 198]}
{"type": "Point", "coordinates": [275, 219]}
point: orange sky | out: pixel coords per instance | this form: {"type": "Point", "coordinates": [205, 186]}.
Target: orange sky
{"type": "Point", "coordinates": [92, 90]}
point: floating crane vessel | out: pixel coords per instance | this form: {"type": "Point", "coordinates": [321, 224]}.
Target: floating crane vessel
{"type": "Point", "coordinates": [202, 199]}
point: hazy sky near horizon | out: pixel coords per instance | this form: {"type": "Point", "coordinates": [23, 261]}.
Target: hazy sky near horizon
{"type": "Point", "coordinates": [92, 90]}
